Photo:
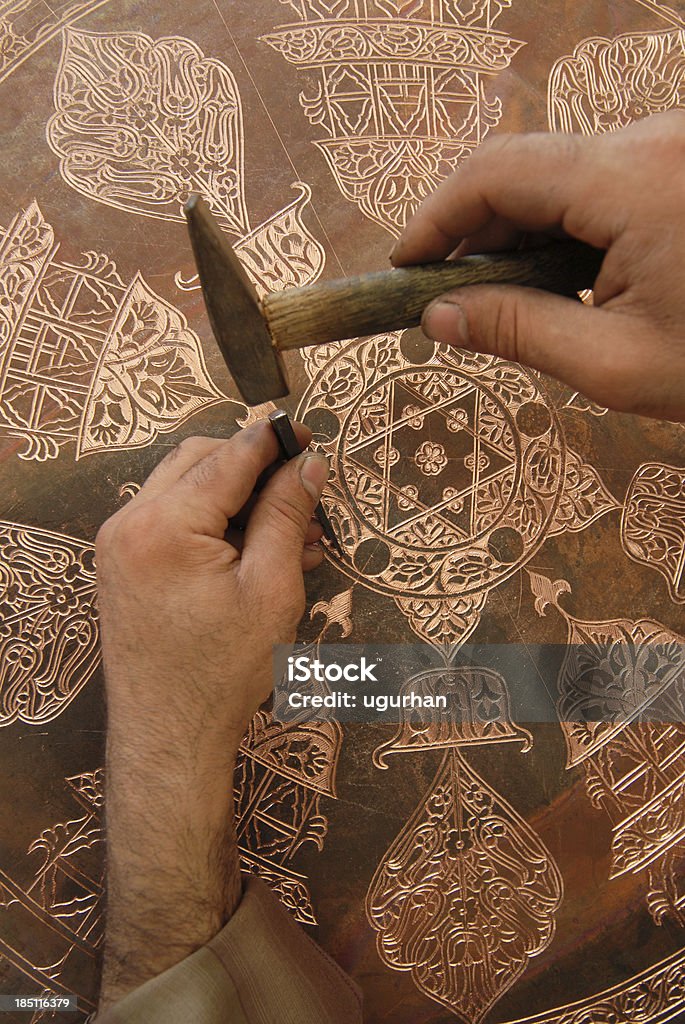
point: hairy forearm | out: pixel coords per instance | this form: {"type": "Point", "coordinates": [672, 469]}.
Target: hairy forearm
{"type": "Point", "coordinates": [173, 875]}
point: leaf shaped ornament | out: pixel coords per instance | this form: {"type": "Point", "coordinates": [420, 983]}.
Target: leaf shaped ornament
{"type": "Point", "coordinates": [150, 378]}
{"type": "Point", "coordinates": [140, 124]}
{"type": "Point", "coordinates": [466, 895]}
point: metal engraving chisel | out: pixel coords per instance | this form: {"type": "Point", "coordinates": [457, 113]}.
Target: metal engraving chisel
{"type": "Point", "coordinates": [290, 448]}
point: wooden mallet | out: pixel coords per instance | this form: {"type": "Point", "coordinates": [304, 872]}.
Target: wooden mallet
{"type": "Point", "coordinates": [252, 333]}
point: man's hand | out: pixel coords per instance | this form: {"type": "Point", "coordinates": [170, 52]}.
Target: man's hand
{"type": "Point", "coordinates": [623, 192]}
{"type": "Point", "coordinates": [198, 578]}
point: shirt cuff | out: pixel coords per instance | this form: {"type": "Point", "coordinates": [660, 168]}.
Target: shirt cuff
{"type": "Point", "coordinates": [262, 968]}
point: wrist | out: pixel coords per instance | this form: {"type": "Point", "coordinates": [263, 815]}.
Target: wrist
{"type": "Point", "coordinates": [172, 860]}
{"type": "Point", "coordinates": [200, 738]}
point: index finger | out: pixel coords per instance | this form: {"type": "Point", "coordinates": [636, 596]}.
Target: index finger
{"type": "Point", "coordinates": [216, 487]}
{"type": "Point", "coordinates": [533, 182]}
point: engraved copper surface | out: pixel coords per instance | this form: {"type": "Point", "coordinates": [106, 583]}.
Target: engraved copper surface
{"type": "Point", "coordinates": [481, 870]}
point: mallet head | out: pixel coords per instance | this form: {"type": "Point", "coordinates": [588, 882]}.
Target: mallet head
{"type": "Point", "coordinates": [234, 310]}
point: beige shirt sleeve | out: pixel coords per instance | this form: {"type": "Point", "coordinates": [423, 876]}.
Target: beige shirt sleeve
{"type": "Point", "coordinates": [261, 968]}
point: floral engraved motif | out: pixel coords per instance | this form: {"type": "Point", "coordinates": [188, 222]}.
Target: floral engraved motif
{"type": "Point", "coordinates": [456, 420]}
{"type": "Point", "coordinates": [290, 887]}
{"type": "Point", "coordinates": [48, 622]}
{"type": "Point", "coordinates": [60, 907]}
{"type": "Point", "coordinates": [400, 92]}
{"type": "Point", "coordinates": [493, 475]}
{"type": "Point", "coordinates": [26, 26]}
{"type": "Point", "coordinates": [407, 497]}
{"type": "Point", "coordinates": [282, 252]}
{"type": "Point", "coordinates": [621, 706]}
{"type": "Point", "coordinates": [430, 458]}
{"type": "Point", "coordinates": [443, 623]}
{"type": "Point", "coordinates": [492, 472]}
{"type": "Point", "coordinates": [337, 612]}
{"type": "Point", "coordinates": [584, 498]}
{"type": "Point", "coordinates": [282, 774]}
{"type": "Point", "coordinates": [386, 457]}
{"type": "Point", "coordinates": [275, 817]}
{"type": "Point", "coordinates": [608, 83]}
{"type": "Point", "coordinates": [152, 375]}
{"type": "Point", "coordinates": [139, 124]}
{"type": "Point", "coordinates": [466, 894]}
{"type": "Point", "coordinates": [305, 753]}
{"type": "Point", "coordinates": [86, 358]}
{"type": "Point", "coordinates": [653, 523]}
{"type": "Point", "coordinates": [414, 416]}
{"type": "Point", "coordinates": [653, 995]}
{"type": "Point", "coordinates": [478, 712]}
{"type": "Point", "coordinates": [431, 536]}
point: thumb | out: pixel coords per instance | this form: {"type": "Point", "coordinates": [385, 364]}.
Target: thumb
{"type": "Point", "coordinates": [594, 351]}
{"type": "Point", "coordinates": [278, 524]}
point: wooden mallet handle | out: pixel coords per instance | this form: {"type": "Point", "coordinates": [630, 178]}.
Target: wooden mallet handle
{"type": "Point", "coordinates": [394, 299]}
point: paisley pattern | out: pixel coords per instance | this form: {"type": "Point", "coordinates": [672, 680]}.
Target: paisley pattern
{"type": "Point", "coordinates": [48, 622]}
{"type": "Point", "coordinates": [466, 894]}
{"type": "Point", "coordinates": [141, 124]}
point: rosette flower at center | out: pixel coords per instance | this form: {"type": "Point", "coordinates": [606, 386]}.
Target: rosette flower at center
{"type": "Point", "coordinates": [430, 458]}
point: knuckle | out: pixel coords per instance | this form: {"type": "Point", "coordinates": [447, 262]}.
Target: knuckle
{"type": "Point", "coordinates": [136, 538]}
{"type": "Point", "coordinates": [246, 448]}
{"type": "Point", "coordinates": [189, 451]}
{"type": "Point", "coordinates": [622, 259]}
{"type": "Point", "coordinates": [565, 146]}
{"type": "Point", "coordinates": [487, 155]}
{"type": "Point", "coordinates": [203, 471]}
{"type": "Point", "coordinates": [588, 221]}
{"type": "Point", "coordinates": [661, 157]}
{"type": "Point", "coordinates": [496, 145]}
{"type": "Point", "coordinates": [191, 446]}
{"type": "Point", "coordinates": [105, 536]}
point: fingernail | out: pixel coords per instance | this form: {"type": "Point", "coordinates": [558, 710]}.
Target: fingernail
{"type": "Point", "coordinates": [445, 320]}
{"type": "Point", "coordinates": [314, 471]}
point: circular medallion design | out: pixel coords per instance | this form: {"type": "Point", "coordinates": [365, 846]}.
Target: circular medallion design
{"type": "Point", "coordinates": [446, 476]}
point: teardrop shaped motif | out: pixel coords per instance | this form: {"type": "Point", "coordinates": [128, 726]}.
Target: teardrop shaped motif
{"type": "Point", "coordinates": [466, 894]}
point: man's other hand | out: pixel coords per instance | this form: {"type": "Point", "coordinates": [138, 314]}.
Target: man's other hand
{"type": "Point", "coordinates": [624, 193]}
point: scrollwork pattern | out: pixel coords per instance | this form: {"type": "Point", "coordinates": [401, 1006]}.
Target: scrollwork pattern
{"type": "Point", "coordinates": [653, 523]}
{"type": "Point", "coordinates": [466, 894]}
{"type": "Point", "coordinates": [400, 93]}
{"type": "Point", "coordinates": [48, 622]}
{"type": "Point", "coordinates": [87, 359]}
